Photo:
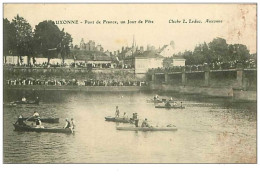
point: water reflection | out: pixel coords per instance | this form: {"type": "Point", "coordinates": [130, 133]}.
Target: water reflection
{"type": "Point", "coordinates": [210, 130]}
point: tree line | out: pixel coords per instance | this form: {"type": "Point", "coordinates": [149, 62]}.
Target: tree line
{"type": "Point", "coordinates": [45, 40]}
{"type": "Point", "coordinates": [217, 51]}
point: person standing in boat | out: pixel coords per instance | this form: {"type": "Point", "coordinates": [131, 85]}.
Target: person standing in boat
{"type": "Point", "coordinates": [135, 119]}
{"type": "Point", "coordinates": [68, 124]}
{"type": "Point", "coordinates": [125, 116]}
{"type": "Point", "coordinates": [117, 112]}
{"type": "Point", "coordinates": [72, 123]}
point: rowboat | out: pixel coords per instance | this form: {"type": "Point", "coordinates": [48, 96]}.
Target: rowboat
{"type": "Point", "coordinates": [159, 101]}
{"type": "Point", "coordinates": [171, 107]}
{"type": "Point", "coordinates": [45, 120]}
{"type": "Point", "coordinates": [26, 102]}
{"type": "Point", "coordinates": [117, 119]}
{"type": "Point", "coordinates": [132, 128]}
{"type": "Point", "coordinates": [10, 105]}
{"type": "Point", "coordinates": [50, 130]}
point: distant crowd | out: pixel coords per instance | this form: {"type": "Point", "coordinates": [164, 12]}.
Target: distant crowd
{"type": "Point", "coordinates": [75, 82]}
{"type": "Point", "coordinates": [72, 65]}
{"type": "Point", "coordinates": [211, 66]}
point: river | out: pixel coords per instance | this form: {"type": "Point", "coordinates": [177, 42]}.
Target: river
{"type": "Point", "coordinates": [210, 130]}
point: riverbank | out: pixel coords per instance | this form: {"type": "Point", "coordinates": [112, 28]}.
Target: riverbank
{"type": "Point", "coordinates": [78, 88]}
{"type": "Point", "coordinates": [235, 94]}
{"type": "Point", "coordinates": [227, 92]}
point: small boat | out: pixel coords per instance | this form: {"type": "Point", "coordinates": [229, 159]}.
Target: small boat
{"type": "Point", "coordinates": [26, 102]}
{"type": "Point", "coordinates": [110, 118]}
{"type": "Point", "coordinates": [116, 119]}
{"type": "Point", "coordinates": [159, 101]}
{"type": "Point", "coordinates": [10, 105]}
{"type": "Point", "coordinates": [133, 128]}
{"type": "Point", "coordinates": [45, 120]}
{"type": "Point", "coordinates": [171, 107]}
{"type": "Point", "coordinates": [50, 130]}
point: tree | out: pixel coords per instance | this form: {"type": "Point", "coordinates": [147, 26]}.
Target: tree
{"type": "Point", "coordinates": [219, 50]}
{"type": "Point", "coordinates": [23, 38]}
{"type": "Point", "coordinates": [64, 46]}
{"type": "Point", "coordinates": [48, 38]}
{"type": "Point", "coordinates": [238, 52]}
{"type": "Point", "coordinates": [188, 55]}
{"type": "Point", "coordinates": [9, 41]}
{"type": "Point", "coordinates": [198, 55]}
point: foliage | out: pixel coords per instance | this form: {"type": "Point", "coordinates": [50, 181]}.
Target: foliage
{"type": "Point", "coordinates": [64, 46]}
{"type": "Point", "coordinates": [9, 41]}
{"type": "Point", "coordinates": [47, 38]}
{"type": "Point", "coordinates": [23, 37]}
{"type": "Point", "coordinates": [217, 51]}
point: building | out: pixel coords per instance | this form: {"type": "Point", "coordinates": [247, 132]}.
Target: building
{"type": "Point", "coordinates": [173, 61]}
{"type": "Point", "coordinates": [92, 59]}
{"type": "Point", "coordinates": [147, 60]}
{"type": "Point", "coordinates": [90, 46]}
{"type": "Point", "coordinates": [168, 50]}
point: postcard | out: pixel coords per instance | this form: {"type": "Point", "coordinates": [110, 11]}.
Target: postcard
{"type": "Point", "coordinates": [129, 83]}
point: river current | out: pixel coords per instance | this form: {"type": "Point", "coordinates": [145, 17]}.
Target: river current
{"type": "Point", "coordinates": [210, 130]}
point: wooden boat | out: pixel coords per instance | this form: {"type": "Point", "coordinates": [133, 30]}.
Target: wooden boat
{"type": "Point", "coordinates": [26, 102]}
{"type": "Point", "coordinates": [133, 128]}
{"type": "Point", "coordinates": [45, 120]}
{"type": "Point", "coordinates": [116, 119]}
{"type": "Point", "coordinates": [110, 118]}
{"type": "Point", "coordinates": [159, 101]}
{"type": "Point", "coordinates": [171, 107]}
{"type": "Point", "coordinates": [50, 130]}
{"type": "Point", "coordinates": [10, 105]}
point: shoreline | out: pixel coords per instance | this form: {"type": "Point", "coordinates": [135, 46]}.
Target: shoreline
{"type": "Point", "coordinates": [222, 92]}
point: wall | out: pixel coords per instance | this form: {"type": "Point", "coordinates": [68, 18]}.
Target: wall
{"type": "Point", "coordinates": [143, 64]}
{"type": "Point", "coordinates": [178, 62]}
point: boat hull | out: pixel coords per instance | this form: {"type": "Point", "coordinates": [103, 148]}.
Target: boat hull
{"type": "Point", "coordinates": [45, 120]}
{"type": "Point", "coordinates": [159, 101]}
{"type": "Point", "coordinates": [27, 102]}
{"type": "Point", "coordinates": [171, 107]}
{"type": "Point", "coordinates": [146, 128]}
{"type": "Point", "coordinates": [50, 130]}
{"type": "Point", "coordinates": [115, 119]}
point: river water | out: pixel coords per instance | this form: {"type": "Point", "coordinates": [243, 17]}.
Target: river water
{"type": "Point", "coordinates": [210, 130]}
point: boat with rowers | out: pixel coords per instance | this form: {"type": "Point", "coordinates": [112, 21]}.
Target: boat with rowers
{"type": "Point", "coordinates": [44, 120]}
{"type": "Point", "coordinates": [159, 101]}
{"type": "Point", "coordinates": [171, 107]}
{"type": "Point", "coordinates": [118, 119]}
{"type": "Point", "coordinates": [28, 128]}
{"type": "Point", "coordinates": [133, 128]}
{"type": "Point", "coordinates": [167, 105]}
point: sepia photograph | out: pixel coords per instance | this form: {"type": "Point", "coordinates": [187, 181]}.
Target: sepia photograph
{"type": "Point", "coordinates": [129, 83]}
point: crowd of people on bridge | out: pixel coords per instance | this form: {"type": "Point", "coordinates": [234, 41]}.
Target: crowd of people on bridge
{"type": "Point", "coordinates": [212, 66]}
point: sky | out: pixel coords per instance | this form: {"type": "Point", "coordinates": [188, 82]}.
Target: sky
{"type": "Point", "coordinates": [238, 23]}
